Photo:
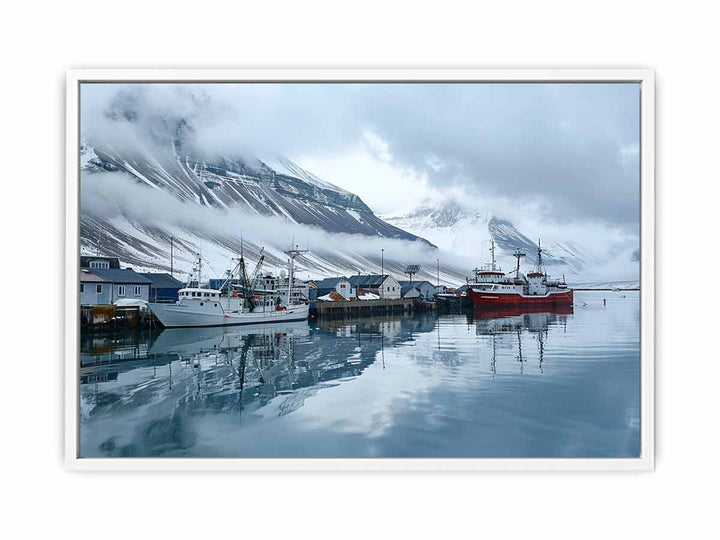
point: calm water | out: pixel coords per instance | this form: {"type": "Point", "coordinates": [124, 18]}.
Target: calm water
{"type": "Point", "coordinates": [487, 385]}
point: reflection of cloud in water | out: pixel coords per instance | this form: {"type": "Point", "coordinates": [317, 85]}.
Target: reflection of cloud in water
{"type": "Point", "coordinates": [417, 386]}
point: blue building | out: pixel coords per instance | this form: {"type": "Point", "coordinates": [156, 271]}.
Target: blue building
{"type": "Point", "coordinates": [163, 287]}
{"type": "Point", "coordinates": [105, 286]}
{"type": "Point", "coordinates": [340, 285]}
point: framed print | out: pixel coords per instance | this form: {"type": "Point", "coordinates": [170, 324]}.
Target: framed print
{"type": "Point", "coordinates": [372, 269]}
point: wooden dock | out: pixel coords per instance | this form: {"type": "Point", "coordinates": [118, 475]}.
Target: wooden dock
{"type": "Point", "coordinates": [362, 308]}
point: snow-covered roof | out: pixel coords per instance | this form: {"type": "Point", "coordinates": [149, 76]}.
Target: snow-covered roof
{"type": "Point", "coordinates": [131, 302]}
{"type": "Point", "coordinates": [332, 296]}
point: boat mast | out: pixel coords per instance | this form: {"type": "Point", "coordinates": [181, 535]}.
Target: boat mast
{"type": "Point", "coordinates": [172, 240]}
{"type": "Point", "coordinates": [518, 255]}
{"type": "Point", "coordinates": [539, 268]}
{"type": "Point", "coordinates": [292, 253]}
{"type": "Point", "coordinates": [492, 254]}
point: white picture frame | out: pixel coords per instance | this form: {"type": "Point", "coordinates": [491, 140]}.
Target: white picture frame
{"type": "Point", "coordinates": [644, 77]}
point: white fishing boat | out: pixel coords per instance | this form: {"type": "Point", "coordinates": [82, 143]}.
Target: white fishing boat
{"type": "Point", "coordinates": [197, 306]}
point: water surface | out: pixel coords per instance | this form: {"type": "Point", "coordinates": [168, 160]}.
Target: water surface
{"type": "Point", "coordinates": [508, 384]}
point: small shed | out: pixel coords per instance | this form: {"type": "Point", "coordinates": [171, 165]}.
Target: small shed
{"type": "Point", "coordinates": [426, 290]}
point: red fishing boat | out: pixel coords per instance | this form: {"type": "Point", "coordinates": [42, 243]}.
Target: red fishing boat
{"type": "Point", "coordinates": [493, 288]}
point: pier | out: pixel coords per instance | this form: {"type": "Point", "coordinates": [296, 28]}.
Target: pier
{"type": "Point", "coordinates": [346, 308]}
{"type": "Point", "coordinates": [111, 317]}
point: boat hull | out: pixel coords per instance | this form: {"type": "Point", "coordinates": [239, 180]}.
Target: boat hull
{"type": "Point", "coordinates": [493, 299]}
{"type": "Point", "coordinates": [179, 316]}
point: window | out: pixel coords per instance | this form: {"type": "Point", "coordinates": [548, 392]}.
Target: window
{"type": "Point", "coordinates": [98, 288]}
{"type": "Point", "coordinates": [137, 290]}
{"type": "Point", "coordinates": [82, 287]}
{"type": "Point", "coordinates": [121, 290]}
{"type": "Point", "coordinates": [103, 265]}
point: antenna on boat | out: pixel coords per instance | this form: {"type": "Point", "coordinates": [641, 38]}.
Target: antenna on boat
{"type": "Point", "coordinates": [518, 255]}
{"type": "Point", "coordinates": [539, 268]}
{"type": "Point", "coordinates": [492, 254]}
{"type": "Point", "coordinates": [199, 269]}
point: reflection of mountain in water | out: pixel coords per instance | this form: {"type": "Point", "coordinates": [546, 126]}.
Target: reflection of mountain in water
{"type": "Point", "coordinates": [151, 394]}
{"type": "Point", "coordinates": [183, 373]}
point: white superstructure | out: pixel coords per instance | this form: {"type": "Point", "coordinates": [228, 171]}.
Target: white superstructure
{"type": "Point", "coordinates": [205, 307]}
{"type": "Point", "coordinates": [197, 306]}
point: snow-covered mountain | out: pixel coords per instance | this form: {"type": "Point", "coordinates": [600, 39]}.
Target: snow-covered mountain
{"type": "Point", "coordinates": [454, 227]}
{"type": "Point", "coordinates": [145, 180]}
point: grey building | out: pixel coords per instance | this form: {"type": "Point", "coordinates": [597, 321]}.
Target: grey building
{"type": "Point", "coordinates": [385, 286]}
{"type": "Point", "coordinates": [107, 285]}
{"type": "Point", "coordinates": [97, 262]}
{"type": "Point", "coordinates": [425, 289]}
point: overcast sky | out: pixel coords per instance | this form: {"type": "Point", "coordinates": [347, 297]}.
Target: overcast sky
{"type": "Point", "coordinates": [553, 153]}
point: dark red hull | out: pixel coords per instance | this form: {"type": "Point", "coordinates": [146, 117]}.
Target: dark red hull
{"type": "Point", "coordinates": [488, 299]}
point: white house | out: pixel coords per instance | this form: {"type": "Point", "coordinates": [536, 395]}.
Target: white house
{"type": "Point", "coordinates": [385, 286]}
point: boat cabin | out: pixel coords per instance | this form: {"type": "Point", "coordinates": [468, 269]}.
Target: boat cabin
{"type": "Point", "coordinates": [197, 293]}
{"type": "Point", "coordinates": [489, 276]}
{"type": "Point", "coordinates": [537, 283]}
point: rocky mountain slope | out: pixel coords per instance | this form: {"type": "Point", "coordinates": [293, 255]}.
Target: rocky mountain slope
{"type": "Point", "coordinates": [219, 205]}
{"type": "Point", "coordinates": [454, 227]}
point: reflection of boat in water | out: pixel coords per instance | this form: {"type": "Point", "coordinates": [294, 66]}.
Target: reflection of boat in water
{"type": "Point", "coordinates": [207, 307]}
{"type": "Point", "coordinates": [506, 328]}
{"type": "Point", "coordinates": [531, 319]}
{"type": "Point", "coordinates": [492, 288]}
{"type": "Point", "coordinates": [189, 341]}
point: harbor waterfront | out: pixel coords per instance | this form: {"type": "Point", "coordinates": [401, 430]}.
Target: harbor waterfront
{"type": "Point", "coordinates": [520, 382]}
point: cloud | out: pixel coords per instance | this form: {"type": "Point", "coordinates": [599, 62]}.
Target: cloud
{"type": "Point", "coordinates": [562, 154]}
{"type": "Point", "coordinates": [113, 195]}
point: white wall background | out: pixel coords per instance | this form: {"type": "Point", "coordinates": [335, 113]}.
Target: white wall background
{"type": "Point", "coordinates": [39, 41]}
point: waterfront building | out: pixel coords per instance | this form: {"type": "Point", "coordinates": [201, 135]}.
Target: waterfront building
{"type": "Point", "coordinates": [100, 263]}
{"type": "Point", "coordinates": [385, 286]}
{"type": "Point", "coordinates": [163, 287]}
{"type": "Point", "coordinates": [105, 286]}
{"type": "Point", "coordinates": [340, 285]}
{"type": "Point", "coordinates": [425, 290]}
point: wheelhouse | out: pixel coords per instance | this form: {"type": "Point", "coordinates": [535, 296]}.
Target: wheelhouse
{"type": "Point", "coordinates": [199, 294]}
